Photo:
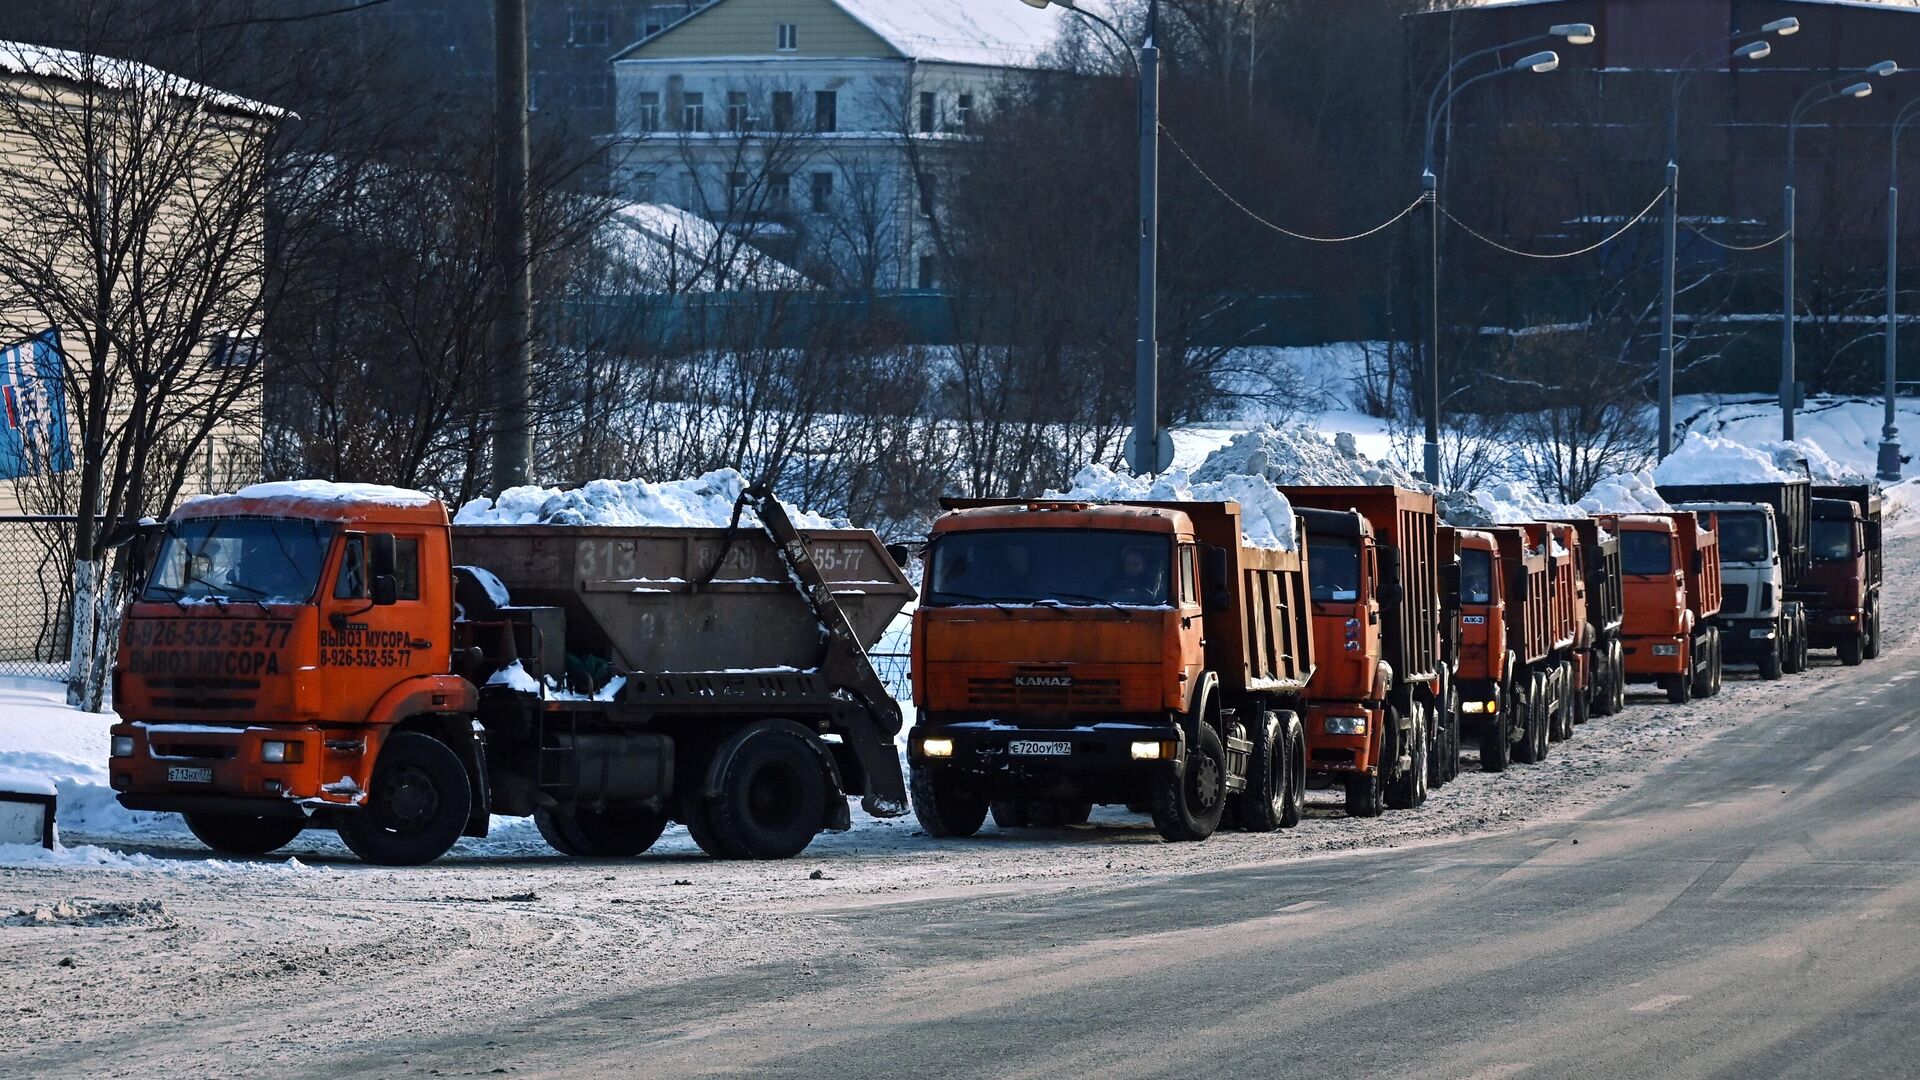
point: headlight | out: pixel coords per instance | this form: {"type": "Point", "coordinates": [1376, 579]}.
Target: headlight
{"type": "Point", "coordinates": [1346, 725]}
{"type": "Point", "coordinates": [1155, 751]}
{"type": "Point", "coordinates": [1666, 650]}
{"type": "Point", "coordinates": [937, 747]}
{"type": "Point", "coordinates": [123, 746]}
{"type": "Point", "coordinates": [280, 753]}
{"type": "Point", "coordinates": [1473, 706]}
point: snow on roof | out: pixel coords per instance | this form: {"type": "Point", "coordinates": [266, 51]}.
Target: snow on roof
{"type": "Point", "coordinates": [680, 251]}
{"type": "Point", "coordinates": [327, 491]}
{"type": "Point", "coordinates": [112, 73]}
{"type": "Point", "coordinates": [992, 33]}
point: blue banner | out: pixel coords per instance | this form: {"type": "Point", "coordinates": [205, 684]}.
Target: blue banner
{"type": "Point", "coordinates": [33, 438]}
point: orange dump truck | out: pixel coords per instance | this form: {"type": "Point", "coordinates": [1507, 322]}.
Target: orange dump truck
{"type": "Point", "coordinates": [1516, 668]}
{"type": "Point", "coordinates": [1067, 654]}
{"type": "Point", "coordinates": [311, 655]}
{"type": "Point", "coordinates": [1670, 566]}
{"type": "Point", "coordinates": [1377, 699]}
{"type": "Point", "coordinates": [1601, 662]}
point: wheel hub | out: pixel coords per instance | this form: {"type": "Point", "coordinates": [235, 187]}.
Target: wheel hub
{"type": "Point", "coordinates": [1206, 780]}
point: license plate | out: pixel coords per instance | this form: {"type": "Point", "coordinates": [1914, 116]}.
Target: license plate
{"type": "Point", "coordinates": [1032, 748]}
{"type": "Point", "coordinates": [186, 775]}
{"type": "Point", "coordinates": [1666, 650]}
{"type": "Point", "coordinates": [1763, 632]}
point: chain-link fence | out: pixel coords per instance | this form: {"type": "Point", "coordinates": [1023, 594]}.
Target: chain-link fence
{"type": "Point", "coordinates": [892, 669]}
{"type": "Point", "coordinates": [36, 595]}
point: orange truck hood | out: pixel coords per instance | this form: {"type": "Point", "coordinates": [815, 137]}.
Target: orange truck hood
{"type": "Point", "coordinates": [977, 658]}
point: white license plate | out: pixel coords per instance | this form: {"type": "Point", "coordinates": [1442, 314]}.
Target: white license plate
{"type": "Point", "coordinates": [1032, 748]}
{"type": "Point", "coordinates": [186, 775]}
{"type": "Point", "coordinates": [1666, 650]}
{"type": "Point", "coordinates": [1763, 632]}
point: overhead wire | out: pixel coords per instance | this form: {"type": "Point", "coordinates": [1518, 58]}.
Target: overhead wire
{"type": "Point", "coordinates": [1588, 250]}
{"type": "Point", "coordinates": [1736, 247]}
{"type": "Point", "coordinates": [1281, 229]}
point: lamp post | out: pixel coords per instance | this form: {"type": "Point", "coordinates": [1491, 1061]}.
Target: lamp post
{"type": "Point", "coordinates": [1670, 233]}
{"type": "Point", "coordinates": [1437, 105]}
{"type": "Point", "coordinates": [1144, 450]}
{"type": "Point", "coordinates": [1890, 431]}
{"type": "Point", "coordinates": [1819, 95]}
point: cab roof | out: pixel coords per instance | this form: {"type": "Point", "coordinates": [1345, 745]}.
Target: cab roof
{"type": "Point", "coordinates": [967, 515]}
{"type": "Point", "coordinates": [320, 500]}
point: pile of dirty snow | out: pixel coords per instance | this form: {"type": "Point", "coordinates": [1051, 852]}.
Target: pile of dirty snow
{"type": "Point", "coordinates": [1804, 457]}
{"type": "Point", "coordinates": [1628, 493]}
{"type": "Point", "coordinates": [1266, 517]}
{"type": "Point", "coordinates": [1302, 456]}
{"type": "Point", "coordinates": [1502, 504]}
{"type": "Point", "coordinates": [704, 502]}
{"type": "Point", "coordinates": [1708, 459]}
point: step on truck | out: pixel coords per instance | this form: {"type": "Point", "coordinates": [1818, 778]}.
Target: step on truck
{"type": "Point", "coordinates": [1843, 588]}
{"type": "Point", "coordinates": [309, 655]}
{"type": "Point", "coordinates": [1670, 564]}
{"type": "Point", "coordinates": [1515, 673]}
{"type": "Point", "coordinates": [1376, 701]}
{"type": "Point", "coordinates": [1599, 655]}
{"type": "Point", "coordinates": [1068, 654]}
{"type": "Point", "coordinates": [1764, 531]}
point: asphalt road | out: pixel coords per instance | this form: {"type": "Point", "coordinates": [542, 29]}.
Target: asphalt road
{"type": "Point", "coordinates": [1748, 912]}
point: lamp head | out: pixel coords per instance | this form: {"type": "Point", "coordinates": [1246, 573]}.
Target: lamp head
{"type": "Point", "coordinates": [1042, 4]}
{"type": "Point", "coordinates": [1858, 90]}
{"type": "Point", "coordinates": [1758, 50]}
{"type": "Point", "coordinates": [1786, 27]}
{"type": "Point", "coordinates": [1884, 68]}
{"type": "Point", "coordinates": [1539, 63]}
{"type": "Point", "coordinates": [1576, 33]}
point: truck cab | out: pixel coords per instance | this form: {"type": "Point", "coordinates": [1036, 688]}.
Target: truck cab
{"type": "Point", "coordinates": [1844, 581]}
{"type": "Point", "coordinates": [1483, 663]}
{"type": "Point", "coordinates": [1757, 622]}
{"type": "Point", "coordinates": [1671, 572]}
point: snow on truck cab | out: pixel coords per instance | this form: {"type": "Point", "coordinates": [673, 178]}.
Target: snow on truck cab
{"type": "Point", "coordinates": [310, 653]}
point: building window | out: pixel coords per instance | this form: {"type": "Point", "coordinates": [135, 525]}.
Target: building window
{"type": "Point", "coordinates": [649, 118]}
{"type": "Point", "coordinates": [926, 272]}
{"type": "Point", "coordinates": [927, 111]}
{"type": "Point", "coordinates": [926, 195]}
{"type": "Point", "coordinates": [649, 29]}
{"type": "Point", "coordinates": [693, 112]}
{"type": "Point", "coordinates": [779, 190]}
{"type": "Point", "coordinates": [826, 111]}
{"type": "Point", "coordinates": [822, 192]}
{"type": "Point", "coordinates": [586, 27]}
{"type": "Point", "coordinates": [642, 186]}
{"type": "Point", "coordinates": [737, 190]}
{"type": "Point", "coordinates": [789, 37]}
{"type": "Point", "coordinates": [233, 350]}
{"type": "Point", "coordinates": [782, 110]}
{"type": "Point", "coordinates": [966, 112]}
{"type": "Point", "coordinates": [737, 119]}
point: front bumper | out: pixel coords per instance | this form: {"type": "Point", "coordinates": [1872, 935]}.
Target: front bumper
{"type": "Point", "coordinates": [1342, 755]}
{"type": "Point", "coordinates": [1653, 657]}
{"type": "Point", "coordinates": [1747, 639]}
{"type": "Point", "coordinates": [1010, 748]}
{"type": "Point", "coordinates": [191, 768]}
{"type": "Point", "coordinates": [1831, 626]}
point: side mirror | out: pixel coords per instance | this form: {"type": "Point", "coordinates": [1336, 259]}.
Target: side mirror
{"type": "Point", "coordinates": [1391, 592]}
{"type": "Point", "coordinates": [386, 590]}
{"type": "Point", "coordinates": [381, 555]}
{"type": "Point", "coordinates": [1216, 592]}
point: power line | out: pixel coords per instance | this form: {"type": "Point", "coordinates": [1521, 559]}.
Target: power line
{"type": "Point", "coordinates": [1589, 249]}
{"type": "Point", "coordinates": [1736, 247]}
{"type": "Point", "coordinates": [1281, 229]}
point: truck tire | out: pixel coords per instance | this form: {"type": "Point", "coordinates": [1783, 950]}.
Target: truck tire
{"type": "Point", "coordinates": [1496, 746]}
{"type": "Point", "coordinates": [945, 803]}
{"type": "Point", "coordinates": [1771, 664]}
{"type": "Point", "coordinates": [615, 833]}
{"type": "Point", "coordinates": [1560, 699]}
{"type": "Point", "coordinates": [1872, 648]}
{"type": "Point", "coordinates": [1296, 739]}
{"type": "Point", "coordinates": [1619, 678]}
{"type": "Point", "coordinates": [1583, 699]}
{"type": "Point", "coordinates": [1703, 671]}
{"type": "Point", "coordinates": [696, 813]}
{"type": "Point", "coordinates": [1188, 805]}
{"type": "Point", "coordinates": [1367, 795]}
{"type": "Point", "coordinates": [1408, 790]}
{"type": "Point", "coordinates": [1852, 651]}
{"type": "Point", "coordinates": [1269, 777]}
{"type": "Point", "coordinates": [1679, 689]}
{"type": "Point", "coordinates": [239, 834]}
{"type": "Point", "coordinates": [1532, 718]}
{"type": "Point", "coordinates": [773, 797]}
{"type": "Point", "coordinates": [1450, 762]}
{"type": "Point", "coordinates": [1011, 814]}
{"type": "Point", "coordinates": [1795, 660]}
{"type": "Point", "coordinates": [417, 803]}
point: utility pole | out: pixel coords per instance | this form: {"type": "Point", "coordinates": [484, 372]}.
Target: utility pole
{"type": "Point", "coordinates": [1890, 430]}
{"type": "Point", "coordinates": [1146, 375]}
{"type": "Point", "coordinates": [513, 251]}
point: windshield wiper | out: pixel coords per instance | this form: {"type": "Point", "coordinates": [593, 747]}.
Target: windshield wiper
{"type": "Point", "coordinates": [992, 601]}
{"type": "Point", "coordinates": [1116, 605]}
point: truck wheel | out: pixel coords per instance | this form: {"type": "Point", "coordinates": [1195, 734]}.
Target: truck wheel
{"type": "Point", "coordinates": [1011, 814]}
{"type": "Point", "coordinates": [945, 803]}
{"type": "Point", "coordinates": [1188, 805]}
{"type": "Point", "coordinates": [1450, 762]}
{"type": "Point", "coordinates": [1583, 699]}
{"type": "Point", "coordinates": [1496, 731]}
{"type": "Point", "coordinates": [1263, 803]}
{"type": "Point", "coordinates": [1296, 740]}
{"type": "Point", "coordinates": [1367, 795]}
{"type": "Point", "coordinates": [417, 805]}
{"type": "Point", "coordinates": [1872, 649]}
{"type": "Point", "coordinates": [238, 834]}
{"type": "Point", "coordinates": [1619, 678]}
{"type": "Point", "coordinates": [1409, 789]}
{"type": "Point", "coordinates": [1852, 651]}
{"type": "Point", "coordinates": [773, 797]}
{"type": "Point", "coordinates": [1703, 674]}
{"type": "Point", "coordinates": [1679, 689]}
{"type": "Point", "coordinates": [1795, 660]}
{"type": "Point", "coordinates": [1526, 751]}
{"type": "Point", "coordinates": [696, 813]}
{"type": "Point", "coordinates": [1560, 698]}
{"type": "Point", "coordinates": [615, 833]}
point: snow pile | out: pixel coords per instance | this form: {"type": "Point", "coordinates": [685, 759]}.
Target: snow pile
{"type": "Point", "coordinates": [1300, 455]}
{"type": "Point", "coordinates": [22, 782]}
{"type": "Point", "coordinates": [1804, 457]}
{"type": "Point", "coordinates": [1708, 459]}
{"type": "Point", "coordinates": [1628, 493]}
{"type": "Point", "coordinates": [45, 743]}
{"type": "Point", "coordinates": [1502, 504]}
{"type": "Point", "coordinates": [704, 502]}
{"type": "Point", "coordinates": [327, 491]}
{"type": "Point", "coordinates": [1266, 517]}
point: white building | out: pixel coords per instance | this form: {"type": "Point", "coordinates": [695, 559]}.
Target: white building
{"type": "Point", "coordinates": [817, 127]}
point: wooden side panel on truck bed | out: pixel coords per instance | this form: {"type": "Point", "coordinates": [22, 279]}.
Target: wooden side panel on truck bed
{"type": "Point", "coordinates": [1404, 520]}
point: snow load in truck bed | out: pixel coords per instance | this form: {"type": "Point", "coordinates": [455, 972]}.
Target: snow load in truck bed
{"type": "Point", "coordinates": [1501, 504]}
{"type": "Point", "coordinates": [1302, 456]}
{"type": "Point", "coordinates": [1266, 517]}
{"type": "Point", "coordinates": [704, 502]}
{"type": "Point", "coordinates": [1706, 459]}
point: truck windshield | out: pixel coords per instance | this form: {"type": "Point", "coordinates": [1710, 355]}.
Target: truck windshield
{"type": "Point", "coordinates": [1832, 540]}
{"type": "Point", "coordinates": [1072, 567]}
{"type": "Point", "coordinates": [1643, 552]}
{"type": "Point", "coordinates": [1334, 565]}
{"type": "Point", "coordinates": [1744, 539]}
{"type": "Point", "coordinates": [1476, 577]}
{"type": "Point", "coordinates": [265, 560]}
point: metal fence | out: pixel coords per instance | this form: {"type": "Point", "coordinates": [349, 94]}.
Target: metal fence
{"type": "Point", "coordinates": [892, 669]}
{"type": "Point", "coordinates": [36, 595]}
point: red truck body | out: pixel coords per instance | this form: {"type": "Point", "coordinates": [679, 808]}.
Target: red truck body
{"type": "Point", "coordinates": [1671, 568]}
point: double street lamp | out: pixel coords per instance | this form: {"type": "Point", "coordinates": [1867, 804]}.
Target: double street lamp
{"type": "Point", "coordinates": [1819, 95]}
{"type": "Point", "coordinates": [1144, 451]}
{"type": "Point", "coordinates": [1890, 431]}
{"type": "Point", "coordinates": [1693, 65]}
{"type": "Point", "coordinates": [1437, 106]}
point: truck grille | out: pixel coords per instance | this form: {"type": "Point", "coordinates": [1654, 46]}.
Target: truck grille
{"type": "Point", "coordinates": [1733, 598]}
{"type": "Point", "coordinates": [1088, 694]}
{"type": "Point", "coordinates": [200, 694]}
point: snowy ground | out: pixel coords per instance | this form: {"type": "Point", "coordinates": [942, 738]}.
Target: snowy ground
{"type": "Point", "coordinates": [315, 951]}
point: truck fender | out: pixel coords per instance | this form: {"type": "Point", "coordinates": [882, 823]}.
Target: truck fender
{"type": "Point", "coordinates": [838, 818]}
{"type": "Point", "coordinates": [468, 741]}
{"type": "Point", "coordinates": [424, 694]}
{"type": "Point", "coordinates": [1202, 707]}
{"type": "Point", "coordinates": [1382, 679]}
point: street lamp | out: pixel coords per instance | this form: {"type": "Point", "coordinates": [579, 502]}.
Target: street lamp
{"type": "Point", "coordinates": [1538, 63]}
{"type": "Point", "coordinates": [1144, 456]}
{"type": "Point", "coordinates": [1890, 431]}
{"type": "Point", "coordinates": [1752, 50]}
{"type": "Point", "coordinates": [1819, 95]}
